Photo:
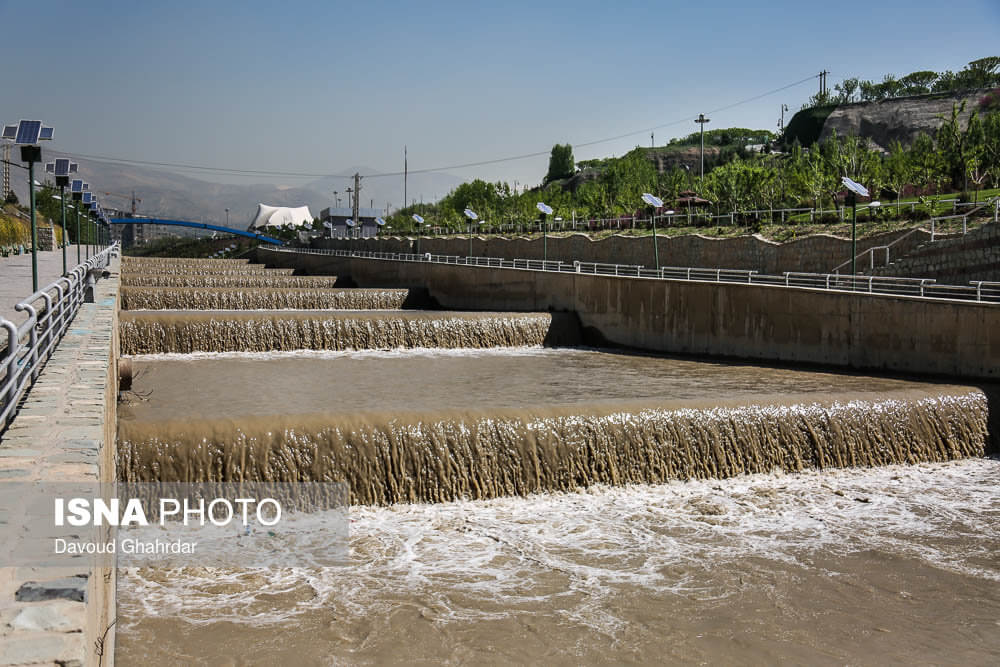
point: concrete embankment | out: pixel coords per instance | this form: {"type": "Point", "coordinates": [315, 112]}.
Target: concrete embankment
{"type": "Point", "coordinates": [848, 329]}
{"type": "Point", "coordinates": [65, 432]}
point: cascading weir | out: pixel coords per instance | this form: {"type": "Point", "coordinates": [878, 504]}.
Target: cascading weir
{"type": "Point", "coordinates": [201, 266]}
{"type": "Point", "coordinates": [433, 457]}
{"type": "Point", "coordinates": [235, 279]}
{"type": "Point", "coordinates": [230, 298]}
{"type": "Point", "coordinates": [152, 332]}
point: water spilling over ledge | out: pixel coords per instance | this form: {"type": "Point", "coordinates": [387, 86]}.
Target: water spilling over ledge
{"type": "Point", "coordinates": [152, 332]}
{"type": "Point", "coordinates": [184, 267]}
{"type": "Point", "coordinates": [234, 298]}
{"type": "Point", "coordinates": [232, 280]}
{"type": "Point", "coordinates": [440, 456]}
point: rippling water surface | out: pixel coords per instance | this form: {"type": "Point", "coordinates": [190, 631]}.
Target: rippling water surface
{"type": "Point", "coordinates": [896, 564]}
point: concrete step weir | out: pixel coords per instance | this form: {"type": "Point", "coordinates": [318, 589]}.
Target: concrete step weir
{"type": "Point", "coordinates": [265, 331]}
{"type": "Point", "coordinates": [238, 298]}
{"type": "Point", "coordinates": [217, 280]}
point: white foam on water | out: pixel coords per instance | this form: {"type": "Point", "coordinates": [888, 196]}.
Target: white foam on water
{"type": "Point", "coordinates": [488, 559]}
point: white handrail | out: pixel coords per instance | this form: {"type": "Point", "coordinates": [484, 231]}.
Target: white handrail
{"type": "Point", "coordinates": [30, 345]}
{"type": "Point", "coordinates": [886, 285]}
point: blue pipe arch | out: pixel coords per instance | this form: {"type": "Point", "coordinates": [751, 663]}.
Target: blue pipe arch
{"type": "Point", "coordinates": [196, 225]}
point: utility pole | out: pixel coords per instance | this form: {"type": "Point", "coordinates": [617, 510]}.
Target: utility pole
{"type": "Point", "coordinates": [357, 201]}
{"type": "Point", "coordinates": [651, 144]}
{"type": "Point", "coordinates": [406, 170]}
{"type": "Point", "coordinates": [784, 108]}
{"type": "Point", "coordinates": [822, 84]}
{"type": "Point", "coordinates": [701, 120]}
{"type": "Point", "coordinates": [6, 170]}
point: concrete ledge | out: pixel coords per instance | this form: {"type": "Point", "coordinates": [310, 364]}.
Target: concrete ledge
{"type": "Point", "coordinates": [862, 331]}
{"type": "Point", "coordinates": [65, 432]}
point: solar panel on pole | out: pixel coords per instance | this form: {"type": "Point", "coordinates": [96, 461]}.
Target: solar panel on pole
{"type": "Point", "coordinates": [62, 166]}
{"type": "Point", "coordinates": [45, 134]}
{"type": "Point", "coordinates": [50, 168]}
{"type": "Point", "coordinates": [76, 186]}
{"type": "Point", "coordinates": [74, 168]}
{"type": "Point", "coordinates": [27, 132]}
{"type": "Point", "coordinates": [9, 131]}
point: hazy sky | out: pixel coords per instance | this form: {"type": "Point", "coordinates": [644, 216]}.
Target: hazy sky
{"type": "Point", "coordinates": [319, 87]}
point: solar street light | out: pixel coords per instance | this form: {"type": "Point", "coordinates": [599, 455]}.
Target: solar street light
{"type": "Point", "coordinates": [62, 168]}
{"type": "Point", "coordinates": [472, 216]}
{"type": "Point", "coordinates": [854, 190]}
{"type": "Point", "coordinates": [545, 210]}
{"type": "Point", "coordinates": [656, 203]}
{"type": "Point", "coordinates": [27, 134]}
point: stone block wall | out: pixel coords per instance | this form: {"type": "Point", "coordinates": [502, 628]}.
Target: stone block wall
{"type": "Point", "coordinates": [818, 253]}
{"type": "Point", "coordinates": [975, 256]}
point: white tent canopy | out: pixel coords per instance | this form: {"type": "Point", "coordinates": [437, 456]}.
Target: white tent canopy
{"type": "Point", "coordinates": [278, 216]}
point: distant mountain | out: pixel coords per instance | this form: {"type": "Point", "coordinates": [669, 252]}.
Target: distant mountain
{"type": "Point", "coordinates": [171, 195]}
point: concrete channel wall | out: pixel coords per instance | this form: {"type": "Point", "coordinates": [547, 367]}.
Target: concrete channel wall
{"type": "Point", "coordinates": [65, 432]}
{"type": "Point", "coordinates": [873, 332]}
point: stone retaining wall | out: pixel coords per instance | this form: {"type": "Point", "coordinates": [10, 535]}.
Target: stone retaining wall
{"type": "Point", "coordinates": [975, 256]}
{"type": "Point", "coordinates": [818, 253]}
{"type": "Point", "coordinates": [65, 432]}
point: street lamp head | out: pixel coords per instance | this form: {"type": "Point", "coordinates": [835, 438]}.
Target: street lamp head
{"type": "Point", "coordinates": [544, 208]}
{"type": "Point", "coordinates": [652, 200]}
{"type": "Point", "coordinates": [855, 187]}
{"type": "Point", "coordinates": [470, 214]}
{"type": "Point", "coordinates": [417, 219]}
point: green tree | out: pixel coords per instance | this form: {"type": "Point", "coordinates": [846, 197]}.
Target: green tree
{"type": "Point", "coordinates": [957, 146]}
{"type": "Point", "coordinates": [560, 163]}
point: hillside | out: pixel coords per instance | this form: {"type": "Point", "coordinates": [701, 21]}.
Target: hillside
{"type": "Point", "coordinates": [172, 195]}
{"type": "Point", "coordinates": [881, 122]}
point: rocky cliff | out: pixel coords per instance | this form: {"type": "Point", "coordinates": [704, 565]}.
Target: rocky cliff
{"type": "Point", "coordinates": [882, 122]}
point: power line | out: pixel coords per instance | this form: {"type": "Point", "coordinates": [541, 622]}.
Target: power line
{"type": "Point", "coordinates": [480, 163]}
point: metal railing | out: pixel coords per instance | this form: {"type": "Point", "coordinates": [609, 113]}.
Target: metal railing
{"type": "Point", "coordinates": [982, 291]}
{"type": "Point", "coordinates": [50, 312]}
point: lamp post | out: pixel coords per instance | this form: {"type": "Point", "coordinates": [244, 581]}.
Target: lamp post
{"type": "Point", "coordinates": [227, 217]}
{"type": "Point", "coordinates": [27, 134]}
{"type": "Point", "coordinates": [417, 219]}
{"type": "Point", "coordinates": [701, 120]}
{"type": "Point", "coordinates": [62, 168]}
{"type": "Point", "coordinates": [855, 190]}
{"type": "Point", "coordinates": [656, 203]}
{"type": "Point", "coordinates": [472, 216]}
{"type": "Point", "coordinates": [873, 209]}
{"type": "Point", "coordinates": [545, 210]}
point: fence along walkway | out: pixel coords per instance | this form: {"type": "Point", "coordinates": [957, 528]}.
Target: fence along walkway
{"type": "Point", "coordinates": [28, 346]}
{"type": "Point", "coordinates": [980, 291]}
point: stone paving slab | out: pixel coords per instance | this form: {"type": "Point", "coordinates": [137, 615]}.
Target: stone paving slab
{"type": "Point", "coordinates": [61, 615]}
{"type": "Point", "coordinates": [15, 277]}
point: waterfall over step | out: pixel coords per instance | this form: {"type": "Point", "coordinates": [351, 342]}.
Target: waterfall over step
{"type": "Point", "coordinates": [152, 332]}
{"type": "Point", "coordinates": [272, 298]}
{"type": "Point", "coordinates": [434, 457]}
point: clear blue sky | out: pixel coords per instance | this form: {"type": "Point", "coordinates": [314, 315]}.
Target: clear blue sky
{"type": "Point", "coordinates": [320, 87]}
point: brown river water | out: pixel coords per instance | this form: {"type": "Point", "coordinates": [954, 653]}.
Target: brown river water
{"type": "Point", "coordinates": [858, 565]}
{"type": "Point", "coordinates": [896, 564]}
{"type": "Point", "coordinates": [520, 504]}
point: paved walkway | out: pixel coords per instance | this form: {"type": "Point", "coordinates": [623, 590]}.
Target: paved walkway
{"type": "Point", "coordinates": [15, 277]}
